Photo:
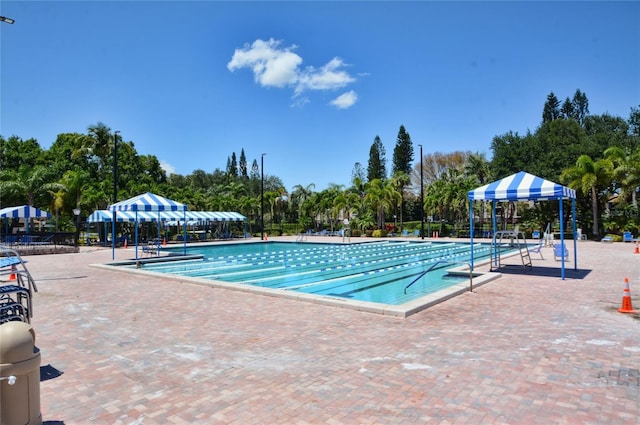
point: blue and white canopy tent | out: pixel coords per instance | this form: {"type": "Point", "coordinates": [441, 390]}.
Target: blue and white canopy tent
{"type": "Point", "coordinates": [170, 218]}
{"type": "Point", "coordinates": [221, 218]}
{"type": "Point", "coordinates": [141, 204]}
{"type": "Point", "coordinates": [99, 216]}
{"type": "Point", "coordinates": [105, 216]}
{"type": "Point", "coordinates": [24, 211]}
{"type": "Point", "coordinates": [523, 186]}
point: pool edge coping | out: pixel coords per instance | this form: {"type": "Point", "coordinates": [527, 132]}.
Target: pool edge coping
{"type": "Point", "coordinates": [403, 310]}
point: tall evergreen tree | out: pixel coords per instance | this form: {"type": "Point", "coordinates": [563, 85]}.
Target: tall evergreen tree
{"type": "Point", "coordinates": [377, 168]}
{"type": "Point", "coordinates": [357, 172]}
{"type": "Point", "coordinates": [403, 152]}
{"type": "Point", "coordinates": [580, 106]}
{"type": "Point", "coordinates": [568, 111]}
{"type": "Point", "coordinates": [232, 165]}
{"type": "Point", "coordinates": [255, 170]}
{"type": "Point", "coordinates": [243, 165]}
{"type": "Point", "coordinates": [402, 160]}
{"type": "Point", "coordinates": [551, 109]}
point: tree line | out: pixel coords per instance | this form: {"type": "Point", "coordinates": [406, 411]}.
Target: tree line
{"type": "Point", "coordinates": [598, 155]}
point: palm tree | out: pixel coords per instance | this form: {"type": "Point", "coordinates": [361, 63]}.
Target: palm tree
{"type": "Point", "coordinates": [100, 144]}
{"type": "Point", "coordinates": [28, 183]}
{"type": "Point", "coordinates": [477, 167]}
{"type": "Point", "coordinates": [57, 204]}
{"type": "Point", "coordinates": [75, 181]}
{"type": "Point", "coordinates": [281, 202]}
{"type": "Point", "coordinates": [400, 180]}
{"type": "Point", "coordinates": [391, 197]}
{"type": "Point", "coordinates": [270, 198]}
{"type": "Point", "coordinates": [299, 196]}
{"type": "Point", "coordinates": [374, 200]}
{"type": "Point", "coordinates": [591, 177]}
{"type": "Point", "coordinates": [434, 200]}
{"type": "Point", "coordinates": [626, 171]}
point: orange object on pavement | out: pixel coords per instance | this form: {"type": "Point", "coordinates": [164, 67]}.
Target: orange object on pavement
{"type": "Point", "coordinates": [626, 299]}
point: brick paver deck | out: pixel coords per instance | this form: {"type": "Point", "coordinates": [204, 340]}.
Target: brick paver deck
{"type": "Point", "coordinates": [524, 349]}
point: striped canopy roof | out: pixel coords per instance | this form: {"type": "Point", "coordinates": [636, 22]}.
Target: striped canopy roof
{"type": "Point", "coordinates": [520, 187]}
{"type": "Point", "coordinates": [23, 211]}
{"type": "Point", "coordinates": [122, 216]}
{"type": "Point", "coordinates": [148, 202]}
{"type": "Point", "coordinates": [147, 216]}
{"type": "Point", "coordinates": [206, 216]}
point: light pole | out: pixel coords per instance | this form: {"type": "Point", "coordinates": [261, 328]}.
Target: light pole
{"type": "Point", "coordinates": [7, 20]}
{"type": "Point", "coordinates": [115, 193]}
{"type": "Point", "coordinates": [421, 197]}
{"type": "Point", "coordinates": [262, 195]}
{"type": "Point", "coordinates": [76, 212]}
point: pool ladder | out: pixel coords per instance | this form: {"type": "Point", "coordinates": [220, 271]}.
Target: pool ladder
{"type": "Point", "coordinates": [441, 262]}
{"type": "Point", "coordinates": [517, 240]}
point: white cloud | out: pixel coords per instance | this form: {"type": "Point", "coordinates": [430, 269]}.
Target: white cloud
{"type": "Point", "coordinates": [345, 100]}
{"type": "Point", "coordinates": [300, 101]}
{"type": "Point", "coordinates": [271, 65]}
{"type": "Point", "coordinates": [277, 66]}
{"type": "Point", "coordinates": [168, 168]}
{"type": "Point", "coordinates": [326, 78]}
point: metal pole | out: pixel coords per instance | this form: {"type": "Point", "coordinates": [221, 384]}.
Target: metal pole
{"type": "Point", "coordinates": [76, 212]}
{"type": "Point", "coordinates": [262, 197]}
{"type": "Point", "coordinates": [421, 197]}
{"type": "Point", "coordinates": [115, 193]}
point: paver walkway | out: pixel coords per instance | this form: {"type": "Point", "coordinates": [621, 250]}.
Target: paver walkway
{"type": "Point", "coordinates": [523, 349]}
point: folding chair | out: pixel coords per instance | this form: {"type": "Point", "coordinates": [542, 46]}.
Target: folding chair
{"type": "Point", "coordinates": [560, 251]}
{"type": "Point", "coordinates": [538, 249]}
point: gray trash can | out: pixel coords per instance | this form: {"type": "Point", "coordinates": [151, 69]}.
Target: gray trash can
{"type": "Point", "coordinates": [19, 375]}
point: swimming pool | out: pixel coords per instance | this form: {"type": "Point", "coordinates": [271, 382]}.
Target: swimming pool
{"type": "Point", "coordinates": [370, 272]}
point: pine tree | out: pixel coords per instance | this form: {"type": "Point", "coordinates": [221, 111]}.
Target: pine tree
{"type": "Point", "coordinates": [232, 165]}
{"type": "Point", "coordinates": [403, 152]}
{"type": "Point", "coordinates": [568, 111]}
{"type": "Point", "coordinates": [551, 108]}
{"type": "Point", "coordinates": [580, 106]}
{"type": "Point", "coordinates": [357, 172]}
{"type": "Point", "coordinates": [243, 164]}
{"type": "Point", "coordinates": [377, 168]}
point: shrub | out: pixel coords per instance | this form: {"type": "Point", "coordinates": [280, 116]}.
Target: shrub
{"type": "Point", "coordinates": [379, 233]}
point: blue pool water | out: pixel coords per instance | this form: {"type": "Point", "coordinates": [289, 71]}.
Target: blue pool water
{"type": "Point", "coordinates": [374, 271]}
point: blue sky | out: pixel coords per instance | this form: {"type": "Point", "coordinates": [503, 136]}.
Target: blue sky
{"type": "Point", "coordinates": [310, 84]}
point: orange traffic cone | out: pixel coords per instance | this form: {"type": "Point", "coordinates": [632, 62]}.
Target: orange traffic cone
{"type": "Point", "coordinates": [626, 299]}
{"type": "Point", "coordinates": [164, 241]}
{"type": "Point", "coordinates": [12, 276]}
{"type": "Point", "coordinates": [636, 250]}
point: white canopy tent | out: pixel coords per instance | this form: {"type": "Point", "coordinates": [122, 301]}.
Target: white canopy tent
{"type": "Point", "coordinates": [144, 203]}
{"type": "Point", "coordinates": [146, 216]}
{"type": "Point", "coordinates": [523, 186]}
{"type": "Point", "coordinates": [167, 218]}
{"type": "Point", "coordinates": [24, 211]}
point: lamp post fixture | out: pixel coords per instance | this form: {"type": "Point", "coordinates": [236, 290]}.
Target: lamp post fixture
{"type": "Point", "coordinates": [262, 195]}
{"type": "Point", "coordinates": [115, 192]}
{"type": "Point", "coordinates": [76, 212]}
{"type": "Point", "coordinates": [7, 20]}
{"type": "Point", "coordinates": [421, 197]}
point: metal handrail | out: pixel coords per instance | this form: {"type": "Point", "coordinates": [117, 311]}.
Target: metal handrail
{"type": "Point", "coordinates": [344, 234]}
{"type": "Point", "coordinates": [439, 262]}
